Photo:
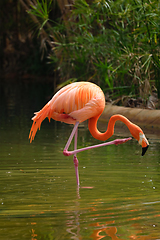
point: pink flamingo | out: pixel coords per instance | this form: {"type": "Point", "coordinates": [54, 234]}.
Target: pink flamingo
{"type": "Point", "coordinates": [76, 103]}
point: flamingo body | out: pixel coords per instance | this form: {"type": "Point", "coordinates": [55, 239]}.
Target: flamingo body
{"type": "Point", "coordinates": [76, 103]}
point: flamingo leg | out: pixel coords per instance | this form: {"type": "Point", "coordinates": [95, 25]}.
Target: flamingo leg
{"type": "Point", "coordinates": [71, 137]}
{"type": "Point", "coordinates": [116, 142]}
{"type": "Point", "coordinates": [74, 134]}
{"type": "Point", "coordinates": [75, 160]}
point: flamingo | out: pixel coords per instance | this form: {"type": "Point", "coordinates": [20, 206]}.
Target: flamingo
{"type": "Point", "coordinates": [76, 103]}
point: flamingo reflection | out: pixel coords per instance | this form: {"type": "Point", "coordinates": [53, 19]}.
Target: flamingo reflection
{"type": "Point", "coordinates": [109, 231]}
{"type": "Point", "coordinates": [104, 231]}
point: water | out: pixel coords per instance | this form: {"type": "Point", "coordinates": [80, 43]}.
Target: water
{"type": "Point", "coordinates": [119, 196]}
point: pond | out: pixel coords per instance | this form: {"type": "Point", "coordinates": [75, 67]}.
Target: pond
{"type": "Point", "coordinates": [119, 196]}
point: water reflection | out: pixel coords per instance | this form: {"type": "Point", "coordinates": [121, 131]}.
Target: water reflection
{"type": "Point", "coordinates": [39, 197]}
{"type": "Point", "coordinates": [115, 226]}
{"type": "Point", "coordinates": [102, 229]}
{"type": "Point", "coordinates": [113, 232]}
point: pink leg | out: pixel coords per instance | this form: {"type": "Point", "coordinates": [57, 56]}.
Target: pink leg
{"type": "Point", "coordinates": [71, 137]}
{"type": "Point", "coordinates": [74, 134]}
{"type": "Point", "coordinates": [116, 142]}
{"type": "Point", "coordinates": [75, 160]}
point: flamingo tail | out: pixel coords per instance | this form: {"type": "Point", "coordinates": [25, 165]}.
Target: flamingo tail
{"type": "Point", "coordinates": [38, 119]}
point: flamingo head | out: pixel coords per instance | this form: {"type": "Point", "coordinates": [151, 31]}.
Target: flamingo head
{"type": "Point", "coordinates": [143, 142]}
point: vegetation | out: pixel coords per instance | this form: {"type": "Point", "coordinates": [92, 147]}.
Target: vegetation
{"type": "Point", "coordinates": [113, 43]}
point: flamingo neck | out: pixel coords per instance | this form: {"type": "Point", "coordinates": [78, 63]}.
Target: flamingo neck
{"type": "Point", "coordinates": [92, 125]}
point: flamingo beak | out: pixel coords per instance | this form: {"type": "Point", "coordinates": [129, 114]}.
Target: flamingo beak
{"type": "Point", "coordinates": [144, 149]}
{"type": "Point", "coordinates": [143, 142]}
{"type": "Point", "coordinates": [145, 145]}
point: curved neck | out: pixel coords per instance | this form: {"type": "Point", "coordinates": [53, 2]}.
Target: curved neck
{"type": "Point", "coordinates": [92, 125]}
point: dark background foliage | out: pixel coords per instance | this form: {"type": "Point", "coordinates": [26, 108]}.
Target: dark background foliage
{"type": "Point", "coordinates": [112, 43]}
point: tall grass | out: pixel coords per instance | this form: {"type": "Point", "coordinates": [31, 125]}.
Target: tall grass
{"type": "Point", "coordinates": [113, 43]}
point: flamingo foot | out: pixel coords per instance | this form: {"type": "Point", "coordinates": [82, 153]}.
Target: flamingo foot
{"type": "Point", "coordinates": [120, 141]}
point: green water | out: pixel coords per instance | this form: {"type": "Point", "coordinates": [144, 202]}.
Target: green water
{"type": "Point", "coordinates": [39, 198]}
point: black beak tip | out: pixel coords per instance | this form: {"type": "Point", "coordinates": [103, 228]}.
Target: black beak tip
{"type": "Point", "coordinates": [144, 149]}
